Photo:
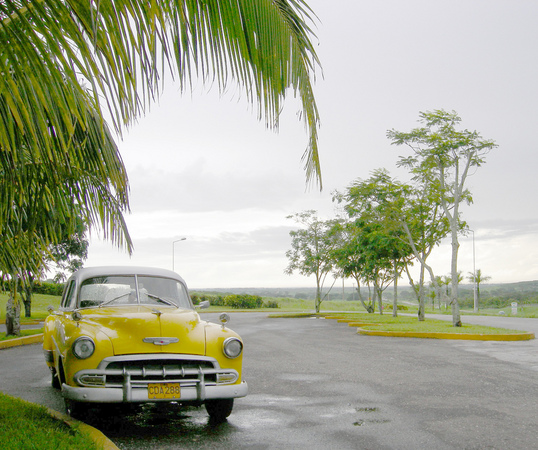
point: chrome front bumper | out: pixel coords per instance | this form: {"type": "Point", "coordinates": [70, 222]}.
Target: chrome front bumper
{"type": "Point", "coordinates": [140, 394]}
{"type": "Point", "coordinates": [125, 379]}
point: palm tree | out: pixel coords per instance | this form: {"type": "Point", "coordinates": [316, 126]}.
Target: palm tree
{"type": "Point", "coordinates": [63, 63]}
{"type": "Point", "coordinates": [476, 279]}
{"type": "Point", "coordinates": [41, 203]}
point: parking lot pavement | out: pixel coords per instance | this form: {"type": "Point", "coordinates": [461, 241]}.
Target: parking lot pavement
{"type": "Point", "coordinates": [524, 353]}
{"type": "Point", "coordinates": [316, 384]}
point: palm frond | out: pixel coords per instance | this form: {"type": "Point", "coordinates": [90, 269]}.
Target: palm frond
{"type": "Point", "coordinates": [120, 48]}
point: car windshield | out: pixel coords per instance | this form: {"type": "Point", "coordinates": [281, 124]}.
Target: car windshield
{"type": "Point", "coordinates": [132, 290]}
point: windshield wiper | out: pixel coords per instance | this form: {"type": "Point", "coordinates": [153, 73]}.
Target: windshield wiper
{"type": "Point", "coordinates": [114, 299]}
{"type": "Point", "coordinates": [160, 299]}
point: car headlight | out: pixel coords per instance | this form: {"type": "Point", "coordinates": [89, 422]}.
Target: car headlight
{"type": "Point", "coordinates": [83, 347]}
{"type": "Point", "coordinates": [232, 347]}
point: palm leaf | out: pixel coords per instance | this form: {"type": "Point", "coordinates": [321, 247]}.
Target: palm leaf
{"type": "Point", "coordinates": [121, 47]}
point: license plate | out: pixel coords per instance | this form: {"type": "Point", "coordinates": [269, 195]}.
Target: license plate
{"type": "Point", "coordinates": [164, 390]}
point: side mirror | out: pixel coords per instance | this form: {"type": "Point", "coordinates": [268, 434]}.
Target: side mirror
{"type": "Point", "coordinates": [203, 305]}
{"type": "Point", "coordinates": [50, 309]}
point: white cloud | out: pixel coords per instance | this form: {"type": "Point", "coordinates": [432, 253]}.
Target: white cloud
{"type": "Point", "coordinates": [202, 167]}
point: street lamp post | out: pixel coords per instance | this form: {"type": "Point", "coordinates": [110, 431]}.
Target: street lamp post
{"type": "Point", "coordinates": [173, 252]}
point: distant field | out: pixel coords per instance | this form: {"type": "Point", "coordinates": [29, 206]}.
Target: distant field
{"type": "Point", "coordinates": [41, 302]}
{"type": "Point", "coordinates": [529, 311]}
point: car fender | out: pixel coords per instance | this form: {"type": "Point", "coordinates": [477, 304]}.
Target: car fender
{"type": "Point", "coordinates": [215, 337]}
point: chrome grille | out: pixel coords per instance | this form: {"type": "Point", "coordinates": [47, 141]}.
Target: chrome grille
{"type": "Point", "coordinates": [134, 372]}
{"type": "Point", "coordinates": [155, 371]}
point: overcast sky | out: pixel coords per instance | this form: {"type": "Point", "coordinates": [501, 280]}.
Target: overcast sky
{"type": "Point", "coordinates": [202, 167]}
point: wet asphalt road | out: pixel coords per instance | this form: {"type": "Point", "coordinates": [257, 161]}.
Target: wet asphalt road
{"type": "Point", "coordinates": [316, 384]}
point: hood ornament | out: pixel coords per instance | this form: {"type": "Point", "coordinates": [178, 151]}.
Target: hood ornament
{"type": "Point", "coordinates": [160, 340]}
{"type": "Point", "coordinates": [156, 312]}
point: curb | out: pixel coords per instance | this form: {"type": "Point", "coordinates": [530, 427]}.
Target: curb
{"type": "Point", "coordinates": [33, 339]}
{"type": "Point", "coordinates": [438, 335]}
{"type": "Point", "coordinates": [523, 336]}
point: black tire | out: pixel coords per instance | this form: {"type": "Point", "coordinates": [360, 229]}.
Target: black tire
{"type": "Point", "coordinates": [77, 410]}
{"type": "Point", "coordinates": [219, 410]}
{"type": "Point", "coordinates": [55, 380]}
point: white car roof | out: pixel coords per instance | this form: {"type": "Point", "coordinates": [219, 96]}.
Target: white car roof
{"type": "Point", "coordinates": [90, 272]}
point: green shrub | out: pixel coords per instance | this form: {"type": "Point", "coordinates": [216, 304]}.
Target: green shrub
{"type": "Point", "coordinates": [388, 307]}
{"type": "Point", "coordinates": [47, 288]}
{"type": "Point", "coordinates": [271, 304]}
{"type": "Point", "coordinates": [39, 287]}
{"type": "Point", "coordinates": [214, 300]}
{"type": "Point", "coordinates": [244, 301]}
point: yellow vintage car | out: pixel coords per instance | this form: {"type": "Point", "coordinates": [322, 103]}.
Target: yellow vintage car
{"type": "Point", "coordinates": [132, 335]}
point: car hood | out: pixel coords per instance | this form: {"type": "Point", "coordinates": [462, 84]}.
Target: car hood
{"type": "Point", "coordinates": [138, 329]}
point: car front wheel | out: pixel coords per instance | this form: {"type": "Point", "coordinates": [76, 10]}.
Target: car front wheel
{"type": "Point", "coordinates": [55, 381]}
{"type": "Point", "coordinates": [77, 410]}
{"type": "Point", "coordinates": [219, 410]}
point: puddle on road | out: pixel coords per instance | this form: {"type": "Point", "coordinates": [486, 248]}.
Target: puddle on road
{"type": "Point", "coordinates": [370, 421]}
{"type": "Point", "coordinates": [370, 409]}
{"type": "Point", "coordinates": [172, 426]}
{"type": "Point", "coordinates": [304, 377]}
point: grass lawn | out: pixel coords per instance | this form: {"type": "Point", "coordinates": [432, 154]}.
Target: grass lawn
{"type": "Point", "coordinates": [529, 311]}
{"type": "Point", "coordinates": [40, 303]}
{"type": "Point", "coordinates": [39, 312]}
{"type": "Point", "coordinates": [386, 322]}
{"type": "Point", "coordinates": [3, 336]}
{"type": "Point", "coordinates": [24, 425]}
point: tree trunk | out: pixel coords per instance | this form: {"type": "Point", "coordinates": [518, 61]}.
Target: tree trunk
{"type": "Point", "coordinates": [13, 317]}
{"type": "Point", "coordinates": [395, 297]}
{"type": "Point", "coordinates": [456, 314]}
{"type": "Point", "coordinates": [373, 299]}
{"type": "Point", "coordinates": [421, 305]}
{"type": "Point", "coordinates": [27, 289]}
{"type": "Point", "coordinates": [318, 297]}
{"type": "Point", "coordinates": [361, 299]}
{"type": "Point", "coordinates": [379, 299]}
{"type": "Point", "coordinates": [456, 317]}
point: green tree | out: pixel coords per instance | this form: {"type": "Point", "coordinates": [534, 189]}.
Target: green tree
{"type": "Point", "coordinates": [69, 254]}
{"type": "Point", "coordinates": [349, 257]}
{"type": "Point", "coordinates": [425, 226]}
{"type": "Point", "coordinates": [311, 248]}
{"type": "Point", "coordinates": [381, 252]}
{"type": "Point", "coordinates": [476, 279]}
{"type": "Point", "coordinates": [443, 156]}
{"type": "Point", "coordinates": [408, 214]}
{"type": "Point", "coordinates": [374, 206]}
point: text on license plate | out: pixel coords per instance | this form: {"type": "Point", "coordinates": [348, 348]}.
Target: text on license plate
{"type": "Point", "coordinates": [163, 390]}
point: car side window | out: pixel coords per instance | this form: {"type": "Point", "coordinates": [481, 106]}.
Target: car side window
{"type": "Point", "coordinates": [69, 299]}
